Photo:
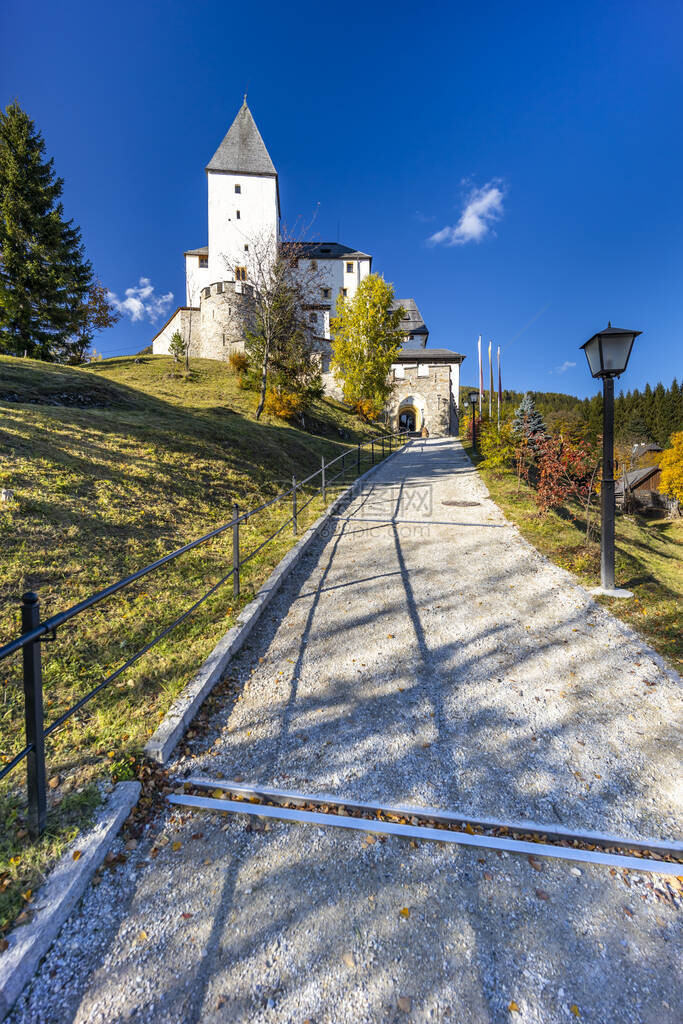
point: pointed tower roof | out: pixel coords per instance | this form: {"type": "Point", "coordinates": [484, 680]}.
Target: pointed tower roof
{"type": "Point", "coordinates": [243, 151]}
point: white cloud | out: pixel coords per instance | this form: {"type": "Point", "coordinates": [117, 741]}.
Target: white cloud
{"type": "Point", "coordinates": [484, 206]}
{"type": "Point", "coordinates": [141, 303]}
{"type": "Point", "coordinates": [566, 365]}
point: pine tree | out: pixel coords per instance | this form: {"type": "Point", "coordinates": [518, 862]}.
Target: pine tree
{"type": "Point", "coordinates": [527, 419]}
{"type": "Point", "coordinates": [49, 301]}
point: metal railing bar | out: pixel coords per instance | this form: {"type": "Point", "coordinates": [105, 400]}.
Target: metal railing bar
{"type": "Point", "coordinates": [136, 657]}
{"type": "Point", "coordinates": [15, 761]}
{"type": "Point", "coordinates": [267, 504]}
{"type": "Point", "coordinates": [58, 620]}
{"type": "Point", "coordinates": [251, 554]}
{"type": "Point", "coordinates": [300, 508]}
{"type": "Point", "coordinates": [62, 617]}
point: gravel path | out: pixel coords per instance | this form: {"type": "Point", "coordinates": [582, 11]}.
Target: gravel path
{"type": "Point", "coordinates": [422, 652]}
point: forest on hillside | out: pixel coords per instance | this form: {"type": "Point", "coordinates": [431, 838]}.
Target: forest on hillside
{"type": "Point", "coordinates": [651, 415]}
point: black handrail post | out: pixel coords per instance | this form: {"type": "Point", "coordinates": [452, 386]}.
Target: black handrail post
{"type": "Point", "coordinates": [382, 445]}
{"type": "Point", "coordinates": [294, 505]}
{"type": "Point", "coordinates": [236, 550]}
{"type": "Point", "coordinates": [322, 470]}
{"type": "Point", "coordinates": [358, 460]}
{"type": "Point", "coordinates": [33, 713]}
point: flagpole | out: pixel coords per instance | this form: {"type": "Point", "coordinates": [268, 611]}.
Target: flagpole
{"type": "Point", "coordinates": [490, 383]}
{"type": "Point", "coordinates": [499, 389]}
{"type": "Point", "coordinates": [481, 375]}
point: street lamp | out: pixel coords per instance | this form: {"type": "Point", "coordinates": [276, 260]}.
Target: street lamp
{"type": "Point", "coordinates": [474, 398]}
{"type": "Point", "coordinates": [608, 353]}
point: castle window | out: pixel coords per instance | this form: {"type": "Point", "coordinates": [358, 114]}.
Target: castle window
{"type": "Point", "coordinates": [246, 248]}
{"type": "Point", "coordinates": [203, 261]}
{"type": "Point", "coordinates": [345, 292]}
{"type": "Point", "coordinates": [219, 288]}
{"type": "Point", "coordinates": [326, 293]}
{"type": "Point", "coordinates": [237, 214]}
{"type": "Point", "coordinates": [314, 265]}
{"type": "Point", "coordinates": [349, 268]}
{"type": "Point", "coordinates": [312, 317]}
{"type": "Point", "coordinates": [238, 189]}
{"type": "Point", "coordinates": [240, 273]}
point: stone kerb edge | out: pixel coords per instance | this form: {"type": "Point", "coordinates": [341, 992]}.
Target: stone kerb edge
{"type": "Point", "coordinates": [184, 708]}
{"type": "Point", "coordinates": [60, 894]}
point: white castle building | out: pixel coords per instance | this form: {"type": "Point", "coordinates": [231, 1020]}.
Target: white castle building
{"type": "Point", "coordinates": [244, 212]}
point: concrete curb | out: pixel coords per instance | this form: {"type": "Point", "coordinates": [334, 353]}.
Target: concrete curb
{"type": "Point", "coordinates": [57, 898]}
{"type": "Point", "coordinates": [184, 708]}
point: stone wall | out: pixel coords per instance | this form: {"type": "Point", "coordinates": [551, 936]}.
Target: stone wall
{"type": "Point", "coordinates": [183, 320]}
{"type": "Point", "coordinates": [226, 312]}
{"type": "Point", "coordinates": [329, 380]}
{"type": "Point", "coordinates": [429, 394]}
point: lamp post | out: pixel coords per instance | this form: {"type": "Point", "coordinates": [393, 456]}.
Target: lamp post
{"type": "Point", "coordinates": [608, 353]}
{"type": "Point", "coordinates": [474, 398]}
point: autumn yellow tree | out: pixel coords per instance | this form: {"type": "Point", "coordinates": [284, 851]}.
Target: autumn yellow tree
{"type": "Point", "coordinates": [671, 465]}
{"type": "Point", "coordinates": [367, 337]}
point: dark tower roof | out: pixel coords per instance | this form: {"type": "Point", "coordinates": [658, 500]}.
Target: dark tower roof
{"type": "Point", "coordinates": [243, 151]}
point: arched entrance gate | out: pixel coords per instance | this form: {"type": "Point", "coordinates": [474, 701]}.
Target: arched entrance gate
{"type": "Point", "coordinates": [410, 414]}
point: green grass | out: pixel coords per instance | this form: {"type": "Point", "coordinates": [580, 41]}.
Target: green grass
{"type": "Point", "coordinates": [101, 490]}
{"type": "Point", "coordinates": [648, 559]}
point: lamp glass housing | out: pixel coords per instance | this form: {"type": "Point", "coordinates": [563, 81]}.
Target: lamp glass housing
{"type": "Point", "coordinates": [608, 351]}
{"type": "Point", "coordinates": [473, 397]}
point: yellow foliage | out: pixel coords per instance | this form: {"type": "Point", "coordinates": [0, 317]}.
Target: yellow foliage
{"type": "Point", "coordinates": [238, 362]}
{"type": "Point", "coordinates": [366, 408]}
{"type": "Point", "coordinates": [671, 465]}
{"type": "Point", "coordinates": [285, 404]}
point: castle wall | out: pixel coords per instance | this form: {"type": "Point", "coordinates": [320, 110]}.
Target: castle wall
{"type": "Point", "coordinates": [248, 217]}
{"type": "Point", "coordinates": [226, 312]}
{"type": "Point", "coordinates": [183, 320]}
{"type": "Point", "coordinates": [196, 278]}
{"type": "Point", "coordinates": [427, 389]}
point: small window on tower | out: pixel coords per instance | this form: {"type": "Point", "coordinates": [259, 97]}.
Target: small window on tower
{"type": "Point", "coordinates": [237, 214]}
{"type": "Point", "coordinates": [246, 248]}
{"type": "Point", "coordinates": [238, 189]}
{"type": "Point", "coordinates": [314, 265]}
{"type": "Point", "coordinates": [240, 273]}
{"type": "Point", "coordinates": [345, 292]}
{"type": "Point", "coordinates": [203, 261]}
{"type": "Point", "coordinates": [349, 268]}
{"type": "Point", "coordinates": [312, 317]}
{"type": "Point", "coordinates": [327, 293]}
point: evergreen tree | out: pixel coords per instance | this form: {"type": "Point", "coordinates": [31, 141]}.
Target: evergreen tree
{"type": "Point", "coordinates": [49, 301]}
{"type": "Point", "coordinates": [527, 419]}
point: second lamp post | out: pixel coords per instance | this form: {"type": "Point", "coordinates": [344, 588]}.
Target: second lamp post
{"type": "Point", "coordinates": [608, 353]}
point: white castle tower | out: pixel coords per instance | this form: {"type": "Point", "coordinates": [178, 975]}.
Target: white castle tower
{"type": "Point", "coordinates": [244, 223]}
{"type": "Point", "coordinates": [243, 207]}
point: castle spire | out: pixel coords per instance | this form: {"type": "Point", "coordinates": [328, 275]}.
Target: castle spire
{"type": "Point", "coordinates": [243, 151]}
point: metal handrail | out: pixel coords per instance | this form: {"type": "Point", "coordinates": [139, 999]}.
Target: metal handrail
{"type": "Point", "coordinates": [53, 623]}
{"type": "Point", "coordinates": [34, 631]}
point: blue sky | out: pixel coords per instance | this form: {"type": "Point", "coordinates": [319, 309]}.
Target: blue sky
{"type": "Point", "coordinates": [540, 143]}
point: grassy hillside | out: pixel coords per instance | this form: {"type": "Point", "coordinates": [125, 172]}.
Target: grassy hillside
{"type": "Point", "coordinates": [111, 467]}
